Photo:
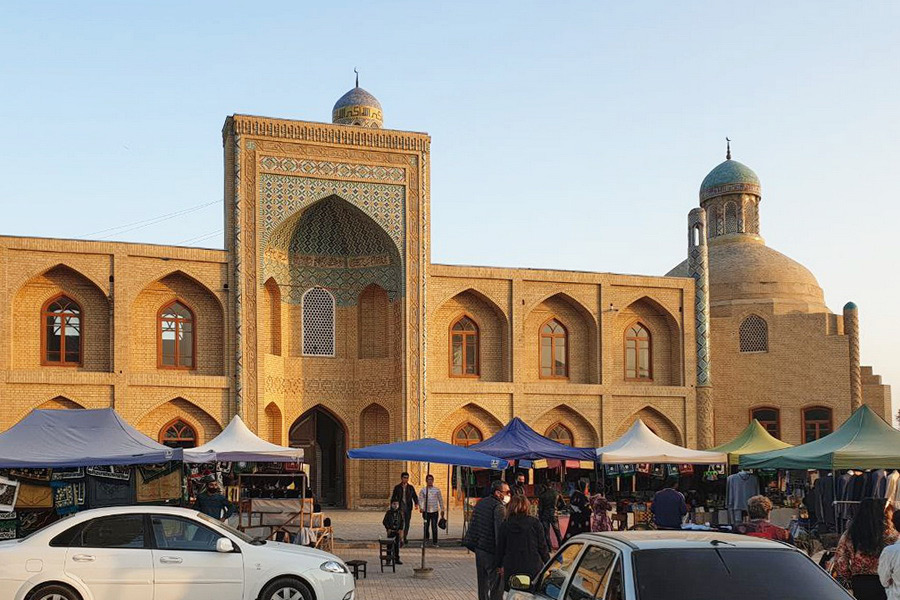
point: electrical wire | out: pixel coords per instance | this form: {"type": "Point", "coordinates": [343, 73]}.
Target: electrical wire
{"type": "Point", "coordinates": [152, 221]}
{"type": "Point", "coordinates": [200, 238]}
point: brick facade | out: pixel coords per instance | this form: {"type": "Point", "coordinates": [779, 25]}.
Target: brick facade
{"type": "Point", "coordinates": [389, 378]}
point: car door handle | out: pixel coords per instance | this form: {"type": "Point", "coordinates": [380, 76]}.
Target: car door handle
{"type": "Point", "coordinates": [84, 558]}
{"type": "Point", "coordinates": [170, 560]}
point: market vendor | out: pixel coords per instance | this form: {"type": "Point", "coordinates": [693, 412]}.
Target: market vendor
{"type": "Point", "coordinates": [213, 502]}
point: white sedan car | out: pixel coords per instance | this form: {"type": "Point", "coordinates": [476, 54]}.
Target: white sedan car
{"type": "Point", "coordinates": [163, 553]}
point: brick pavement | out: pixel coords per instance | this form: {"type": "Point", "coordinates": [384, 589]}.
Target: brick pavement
{"type": "Point", "coordinates": [453, 579]}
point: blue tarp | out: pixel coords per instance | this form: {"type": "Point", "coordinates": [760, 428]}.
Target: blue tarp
{"type": "Point", "coordinates": [518, 441]}
{"type": "Point", "coordinates": [429, 450]}
{"type": "Point", "coordinates": [78, 438]}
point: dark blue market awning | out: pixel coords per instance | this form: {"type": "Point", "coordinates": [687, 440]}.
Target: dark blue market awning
{"type": "Point", "coordinates": [518, 441]}
{"type": "Point", "coordinates": [429, 450]}
{"type": "Point", "coordinates": [78, 438]}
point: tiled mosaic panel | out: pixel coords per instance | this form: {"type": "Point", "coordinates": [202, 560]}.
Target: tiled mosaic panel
{"type": "Point", "coordinates": [329, 168]}
{"type": "Point", "coordinates": [337, 247]}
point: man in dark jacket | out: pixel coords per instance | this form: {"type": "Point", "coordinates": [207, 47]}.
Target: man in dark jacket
{"type": "Point", "coordinates": [393, 524]}
{"type": "Point", "coordinates": [405, 494]}
{"type": "Point", "coordinates": [549, 502]}
{"type": "Point", "coordinates": [482, 537]}
{"type": "Point", "coordinates": [669, 507]}
{"type": "Point", "coordinates": [213, 503]}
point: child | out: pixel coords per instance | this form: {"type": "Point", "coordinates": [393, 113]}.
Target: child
{"type": "Point", "coordinates": [393, 523]}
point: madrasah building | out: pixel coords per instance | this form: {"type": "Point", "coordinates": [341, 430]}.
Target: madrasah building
{"type": "Point", "coordinates": [325, 325]}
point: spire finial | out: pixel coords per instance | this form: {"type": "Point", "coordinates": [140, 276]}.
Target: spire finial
{"type": "Point", "coordinates": [357, 76]}
{"type": "Point", "coordinates": [727, 145]}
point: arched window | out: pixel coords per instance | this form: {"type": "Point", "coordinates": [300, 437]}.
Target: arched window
{"type": "Point", "coordinates": [176, 336]}
{"type": "Point", "coordinates": [769, 418]}
{"type": "Point", "coordinates": [816, 423]}
{"type": "Point", "coordinates": [754, 334]}
{"type": "Point", "coordinates": [178, 434]}
{"type": "Point", "coordinates": [562, 434]}
{"type": "Point", "coordinates": [637, 353]}
{"type": "Point", "coordinates": [467, 435]}
{"type": "Point", "coordinates": [62, 332]}
{"type": "Point", "coordinates": [554, 350]}
{"type": "Point", "coordinates": [731, 218]}
{"type": "Point", "coordinates": [464, 348]}
{"type": "Point", "coordinates": [318, 322]}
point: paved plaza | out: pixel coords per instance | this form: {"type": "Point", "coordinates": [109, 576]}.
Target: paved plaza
{"type": "Point", "coordinates": [453, 578]}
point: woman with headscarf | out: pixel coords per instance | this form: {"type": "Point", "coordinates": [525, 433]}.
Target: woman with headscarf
{"type": "Point", "coordinates": [858, 551]}
{"type": "Point", "coordinates": [579, 510]}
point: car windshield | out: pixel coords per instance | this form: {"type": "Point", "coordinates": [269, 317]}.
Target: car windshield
{"type": "Point", "coordinates": [733, 573]}
{"type": "Point", "coordinates": [222, 525]}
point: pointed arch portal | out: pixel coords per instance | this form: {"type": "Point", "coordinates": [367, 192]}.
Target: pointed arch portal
{"type": "Point", "coordinates": [324, 441]}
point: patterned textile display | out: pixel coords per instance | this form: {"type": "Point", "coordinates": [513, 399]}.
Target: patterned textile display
{"type": "Point", "coordinates": [69, 473]}
{"type": "Point", "coordinates": [9, 489]}
{"type": "Point", "coordinates": [151, 472]}
{"type": "Point", "coordinates": [120, 472]}
{"type": "Point", "coordinates": [159, 488]}
{"type": "Point", "coordinates": [66, 496]}
{"type": "Point", "coordinates": [31, 520]}
{"type": "Point", "coordinates": [31, 474]}
{"type": "Point", "coordinates": [8, 526]}
{"type": "Point", "coordinates": [109, 492]}
{"type": "Point", "coordinates": [34, 496]}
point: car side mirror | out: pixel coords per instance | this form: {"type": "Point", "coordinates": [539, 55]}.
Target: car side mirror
{"type": "Point", "coordinates": [520, 582]}
{"type": "Point", "coordinates": [223, 544]}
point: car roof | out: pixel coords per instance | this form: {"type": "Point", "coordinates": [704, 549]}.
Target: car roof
{"type": "Point", "coordinates": [662, 539]}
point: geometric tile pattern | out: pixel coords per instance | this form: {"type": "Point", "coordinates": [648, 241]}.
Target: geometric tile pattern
{"type": "Point", "coordinates": [299, 166]}
{"type": "Point", "coordinates": [336, 246]}
{"type": "Point", "coordinates": [698, 268]}
{"type": "Point", "coordinates": [754, 334]}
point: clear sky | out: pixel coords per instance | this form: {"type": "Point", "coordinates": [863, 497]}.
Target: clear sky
{"type": "Point", "coordinates": [565, 134]}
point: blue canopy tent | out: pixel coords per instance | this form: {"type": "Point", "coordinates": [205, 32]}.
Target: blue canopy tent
{"type": "Point", "coordinates": [78, 438]}
{"type": "Point", "coordinates": [429, 450]}
{"type": "Point", "coordinates": [518, 441]}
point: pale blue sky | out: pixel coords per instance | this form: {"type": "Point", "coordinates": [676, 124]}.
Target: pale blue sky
{"type": "Point", "coordinates": [565, 135]}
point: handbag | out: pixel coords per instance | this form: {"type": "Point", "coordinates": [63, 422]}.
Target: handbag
{"type": "Point", "coordinates": [442, 523]}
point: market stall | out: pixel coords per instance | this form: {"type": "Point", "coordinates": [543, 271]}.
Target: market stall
{"type": "Point", "coordinates": [55, 462]}
{"type": "Point", "coordinates": [753, 439]}
{"type": "Point", "coordinates": [429, 450]}
{"type": "Point", "coordinates": [640, 452]}
{"type": "Point", "coordinates": [266, 483]}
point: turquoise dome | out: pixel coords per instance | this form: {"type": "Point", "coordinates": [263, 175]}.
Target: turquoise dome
{"type": "Point", "coordinates": [729, 177]}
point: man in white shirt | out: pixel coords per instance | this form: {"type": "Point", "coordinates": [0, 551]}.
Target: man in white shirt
{"type": "Point", "coordinates": [889, 571]}
{"type": "Point", "coordinates": [431, 503]}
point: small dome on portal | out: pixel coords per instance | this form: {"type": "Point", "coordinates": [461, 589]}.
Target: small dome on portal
{"type": "Point", "coordinates": [357, 107]}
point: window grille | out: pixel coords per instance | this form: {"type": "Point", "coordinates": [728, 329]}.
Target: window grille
{"type": "Point", "coordinates": [754, 334]}
{"type": "Point", "coordinates": [318, 323]}
{"type": "Point", "coordinates": [731, 218]}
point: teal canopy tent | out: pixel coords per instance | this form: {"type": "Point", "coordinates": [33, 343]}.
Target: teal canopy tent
{"type": "Point", "coordinates": [864, 441]}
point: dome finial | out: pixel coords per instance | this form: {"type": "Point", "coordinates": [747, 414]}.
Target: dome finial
{"type": "Point", "coordinates": [727, 145]}
{"type": "Point", "coordinates": [357, 76]}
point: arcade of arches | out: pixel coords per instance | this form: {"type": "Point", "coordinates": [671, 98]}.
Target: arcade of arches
{"type": "Point", "coordinates": [325, 325]}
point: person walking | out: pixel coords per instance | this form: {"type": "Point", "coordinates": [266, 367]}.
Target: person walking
{"type": "Point", "coordinates": [549, 503]}
{"type": "Point", "coordinates": [669, 507]}
{"type": "Point", "coordinates": [521, 546]}
{"type": "Point", "coordinates": [600, 508]}
{"type": "Point", "coordinates": [857, 556]}
{"type": "Point", "coordinates": [579, 510]}
{"type": "Point", "coordinates": [759, 508]}
{"type": "Point", "coordinates": [405, 494]}
{"type": "Point", "coordinates": [393, 526]}
{"type": "Point", "coordinates": [212, 502]}
{"type": "Point", "coordinates": [431, 503]}
{"type": "Point", "coordinates": [482, 536]}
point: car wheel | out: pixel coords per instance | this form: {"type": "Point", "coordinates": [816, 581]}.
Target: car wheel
{"type": "Point", "coordinates": [53, 592]}
{"type": "Point", "coordinates": [285, 589]}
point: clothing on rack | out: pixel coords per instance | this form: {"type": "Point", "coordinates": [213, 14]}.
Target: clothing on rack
{"type": "Point", "coordinates": [892, 490]}
{"type": "Point", "coordinates": [824, 489]}
{"type": "Point", "coordinates": [875, 484]}
{"type": "Point", "coordinates": [739, 488]}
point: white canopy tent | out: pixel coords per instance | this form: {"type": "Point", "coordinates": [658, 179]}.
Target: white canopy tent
{"type": "Point", "coordinates": [641, 445]}
{"type": "Point", "coordinates": [237, 443]}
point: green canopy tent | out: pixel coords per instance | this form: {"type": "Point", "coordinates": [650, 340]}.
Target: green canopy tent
{"type": "Point", "coordinates": [864, 441]}
{"type": "Point", "coordinates": [754, 438]}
